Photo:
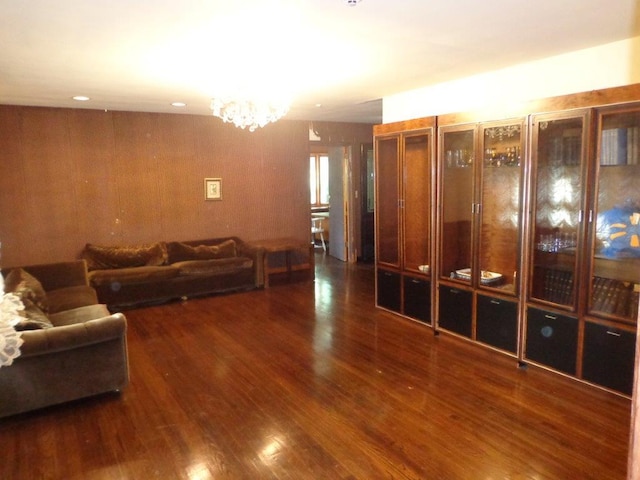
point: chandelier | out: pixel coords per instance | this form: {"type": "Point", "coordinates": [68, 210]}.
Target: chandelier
{"type": "Point", "coordinates": [248, 114]}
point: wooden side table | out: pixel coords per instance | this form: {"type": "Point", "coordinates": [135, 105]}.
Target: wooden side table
{"type": "Point", "coordinates": [287, 246]}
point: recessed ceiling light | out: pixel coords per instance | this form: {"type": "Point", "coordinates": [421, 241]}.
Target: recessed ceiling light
{"type": "Point", "coordinates": [81, 98]}
{"type": "Point", "coordinates": [318, 105]}
{"type": "Point", "coordinates": [178, 104]}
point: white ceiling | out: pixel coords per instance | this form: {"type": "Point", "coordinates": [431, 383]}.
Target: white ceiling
{"type": "Point", "coordinates": [141, 55]}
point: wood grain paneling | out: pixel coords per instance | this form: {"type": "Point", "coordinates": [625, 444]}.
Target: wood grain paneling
{"type": "Point", "coordinates": [13, 193]}
{"type": "Point", "coordinates": [50, 177]}
{"type": "Point", "coordinates": [92, 152]}
{"type": "Point", "coordinates": [403, 126]}
{"type": "Point", "coordinates": [180, 184]}
{"type": "Point", "coordinates": [70, 177]}
{"type": "Point", "coordinates": [138, 172]}
{"type": "Point", "coordinates": [607, 96]}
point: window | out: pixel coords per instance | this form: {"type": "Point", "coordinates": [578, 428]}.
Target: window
{"type": "Point", "coordinates": [319, 179]}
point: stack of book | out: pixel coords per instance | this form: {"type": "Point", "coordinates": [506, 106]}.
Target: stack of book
{"type": "Point", "coordinates": [558, 286]}
{"type": "Point", "coordinates": [620, 146]}
{"type": "Point", "coordinates": [613, 296]}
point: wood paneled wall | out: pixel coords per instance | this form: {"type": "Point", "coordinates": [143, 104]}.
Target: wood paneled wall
{"type": "Point", "coordinates": [72, 176]}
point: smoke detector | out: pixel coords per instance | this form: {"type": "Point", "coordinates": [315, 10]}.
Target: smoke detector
{"type": "Point", "coordinates": [352, 3]}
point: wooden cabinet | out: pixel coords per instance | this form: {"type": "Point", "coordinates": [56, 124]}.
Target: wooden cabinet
{"type": "Point", "coordinates": [417, 298]}
{"type": "Point", "coordinates": [480, 222]}
{"type": "Point", "coordinates": [404, 218]}
{"type": "Point", "coordinates": [523, 235]}
{"type": "Point", "coordinates": [388, 290]}
{"type": "Point", "coordinates": [455, 307]}
{"type": "Point", "coordinates": [584, 241]}
{"type": "Point", "coordinates": [608, 356]}
{"type": "Point", "coordinates": [614, 217]}
{"type": "Point", "coordinates": [497, 323]}
{"type": "Point", "coordinates": [387, 210]}
{"type": "Point", "coordinates": [558, 206]}
{"type": "Point", "coordinates": [552, 340]}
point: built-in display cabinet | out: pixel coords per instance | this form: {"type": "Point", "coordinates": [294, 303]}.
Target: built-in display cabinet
{"type": "Point", "coordinates": [584, 243]}
{"type": "Point", "coordinates": [479, 219]}
{"type": "Point", "coordinates": [520, 234]}
{"type": "Point", "coordinates": [404, 220]}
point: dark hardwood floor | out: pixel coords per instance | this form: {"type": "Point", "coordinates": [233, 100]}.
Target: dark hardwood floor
{"type": "Point", "coordinates": [310, 381]}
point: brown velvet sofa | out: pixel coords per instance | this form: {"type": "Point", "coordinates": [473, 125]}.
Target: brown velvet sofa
{"type": "Point", "coordinates": [81, 352]}
{"type": "Point", "coordinates": [138, 275]}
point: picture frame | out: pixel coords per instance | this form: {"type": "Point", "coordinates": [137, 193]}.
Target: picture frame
{"type": "Point", "coordinates": [213, 189]}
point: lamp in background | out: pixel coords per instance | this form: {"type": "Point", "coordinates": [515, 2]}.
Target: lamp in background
{"type": "Point", "coordinates": [247, 113]}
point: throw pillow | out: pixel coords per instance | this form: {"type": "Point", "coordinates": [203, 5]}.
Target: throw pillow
{"type": "Point", "coordinates": [100, 257]}
{"type": "Point", "coordinates": [180, 252]}
{"type": "Point", "coordinates": [27, 287]}
{"type": "Point", "coordinates": [33, 318]}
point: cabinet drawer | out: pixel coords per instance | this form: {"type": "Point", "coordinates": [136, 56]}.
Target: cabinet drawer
{"type": "Point", "coordinates": [608, 357]}
{"type": "Point", "coordinates": [417, 299]}
{"type": "Point", "coordinates": [497, 323]}
{"type": "Point", "coordinates": [388, 290]}
{"type": "Point", "coordinates": [455, 310]}
{"type": "Point", "coordinates": [552, 340]}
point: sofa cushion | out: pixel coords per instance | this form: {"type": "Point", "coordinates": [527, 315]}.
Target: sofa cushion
{"type": "Point", "coordinates": [79, 315]}
{"type": "Point", "coordinates": [73, 336]}
{"type": "Point", "coordinates": [70, 297]}
{"type": "Point", "coordinates": [101, 257]}
{"type": "Point", "coordinates": [220, 266]}
{"type": "Point", "coordinates": [123, 276]}
{"type": "Point", "coordinates": [27, 287]}
{"type": "Point", "coordinates": [33, 318]}
{"type": "Point", "coordinates": [180, 252]}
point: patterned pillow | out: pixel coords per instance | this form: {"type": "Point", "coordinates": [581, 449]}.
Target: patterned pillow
{"type": "Point", "coordinates": [180, 252]}
{"type": "Point", "coordinates": [148, 255]}
{"type": "Point", "coordinates": [34, 318]}
{"type": "Point", "coordinates": [27, 287]}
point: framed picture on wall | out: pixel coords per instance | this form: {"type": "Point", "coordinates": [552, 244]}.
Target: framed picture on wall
{"type": "Point", "coordinates": [213, 189]}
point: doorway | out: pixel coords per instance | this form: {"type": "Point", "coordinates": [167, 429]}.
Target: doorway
{"type": "Point", "coordinates": [350, 208]}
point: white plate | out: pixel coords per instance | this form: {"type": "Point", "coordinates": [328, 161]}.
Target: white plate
{"type": "Point", "coordinates": [486, 276]}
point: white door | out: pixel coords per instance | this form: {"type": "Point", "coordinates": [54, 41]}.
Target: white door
{"type": "Point", "coordinates": [340, 211]}
{"type": "Point", "coordinates": [337, 237]}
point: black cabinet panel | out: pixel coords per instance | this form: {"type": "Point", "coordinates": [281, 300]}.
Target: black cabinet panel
{"type": "Point", "coordinates": [417, 299]}
{"type": "Point", "coordinates": [455, 310]}
{"type": "Point", "coordinates": [608, 357]}
{"type": "Point", "coordinates": [497, 323]}
{"type": "Point", "coordinates": [552, 340]}
{"type": "Point", "coordinates": [389, 290]}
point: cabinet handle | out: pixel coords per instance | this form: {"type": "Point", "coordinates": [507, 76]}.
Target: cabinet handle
{"type": "Point", "coordinates": [453, 290]}
{"type": "Point", "coordinates": [615, 334]}
{"type": "Point", "coordinates": [496, 302]}
{"type": "Point", "coordinates": [551, 317]}
{"type": "Point", "coordinates": [580, 216]}
{"type": "Point", "coordinates": [590, 216]}
{"type": "Point", "coordinates": [413, 280]}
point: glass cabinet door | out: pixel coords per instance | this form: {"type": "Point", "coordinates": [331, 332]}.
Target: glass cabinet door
{"type": "Point", "coordinates": [615, 250]}
{"type": "Point", "coordinates": [457, 203]}
{"type": "Point", "coordinates": [499, 207]}
{"type": "Point", "coordinates": [387, 198]}
{"type": "Point", "coordinates": [417, 205]}
{"type": "Point", "coordinates": [558, 150]}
